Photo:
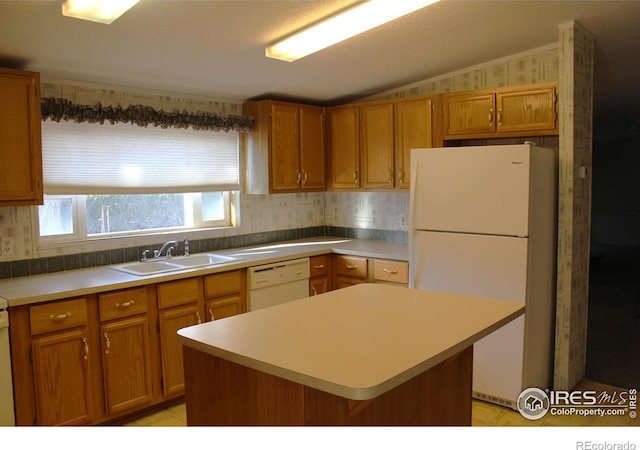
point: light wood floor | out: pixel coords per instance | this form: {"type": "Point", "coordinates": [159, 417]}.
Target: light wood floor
{"type": "Point", "coordinates": [483, 414]}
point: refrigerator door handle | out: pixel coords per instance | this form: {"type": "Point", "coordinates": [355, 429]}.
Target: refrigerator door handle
{"type": "Point", "coordinates": [412, 193]}
{"type": "Point", "coordinates": [412, 196]}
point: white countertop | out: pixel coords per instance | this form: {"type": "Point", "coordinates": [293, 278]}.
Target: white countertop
{"type": "Point", "coordinates": [357, 342]}
{"type": "Point", "coordinates": [71, 283]}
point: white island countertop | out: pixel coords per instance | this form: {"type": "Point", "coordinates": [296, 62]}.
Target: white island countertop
{"type": "Point", "coordinates": [358, 342]}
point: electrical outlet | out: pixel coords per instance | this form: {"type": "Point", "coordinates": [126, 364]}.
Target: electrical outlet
{"type": "Point", "coordinates": [7, 246]}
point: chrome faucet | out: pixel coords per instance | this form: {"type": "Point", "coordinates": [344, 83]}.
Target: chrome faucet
{"type": "Point", "coordinates": [168, 246]}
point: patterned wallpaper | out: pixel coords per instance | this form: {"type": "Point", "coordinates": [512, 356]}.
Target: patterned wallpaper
{"type": "Point", "coordinates": [574, 208]}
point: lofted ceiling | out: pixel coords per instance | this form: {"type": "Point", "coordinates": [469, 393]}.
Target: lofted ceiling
{"type": "Point", "coordinates": [216, 48]}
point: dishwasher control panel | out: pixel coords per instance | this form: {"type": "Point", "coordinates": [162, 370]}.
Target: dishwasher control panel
{"type": "Point", "coordinates": [282, 272]}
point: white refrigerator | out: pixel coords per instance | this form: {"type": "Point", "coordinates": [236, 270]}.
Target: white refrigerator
{"type": "Point", "coordinates": [483, 222]}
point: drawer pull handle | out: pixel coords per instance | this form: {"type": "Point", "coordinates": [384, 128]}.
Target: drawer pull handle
{"type": "Point", "coordinates": [351, 266]}
{"type": "Point", "coordinates": [125, 304]}
{"type": "Point", "coordinates": [211, 314]}
{"type": "Point", "coordinates": [199, 319]}
{"type": "Point", "coordinates": [86, 348]}
{"type": "Point", "coordinates": [392, 272]}
{"type": "Point", "coordinates": [59, 317]}
{"type": "Point", "coordinates": [108, 344]}
{"type": "Point", "coordinates": [319, 266]}
{"type": "Point", "coordinates": [315, 292]}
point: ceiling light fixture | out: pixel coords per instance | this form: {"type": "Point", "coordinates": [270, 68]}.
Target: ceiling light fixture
{"type": "Point", "coordinates": [364, 16]}
{"type": "Point", "coordinates": [103, 11]}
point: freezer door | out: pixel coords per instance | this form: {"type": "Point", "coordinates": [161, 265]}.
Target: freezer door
{"type": "Point", "coordinates": [471, 189]}
{"type": "Point", "coordinates": [485, 266]}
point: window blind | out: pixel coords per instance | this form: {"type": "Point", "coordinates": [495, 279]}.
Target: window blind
{"type": "Point", "coordinates": [93, 158]}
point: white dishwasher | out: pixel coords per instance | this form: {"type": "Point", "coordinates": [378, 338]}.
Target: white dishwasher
{"type": "Point", "coordinates": [7, 417]}
{"type": "Point", "coordinates": [277, 283]}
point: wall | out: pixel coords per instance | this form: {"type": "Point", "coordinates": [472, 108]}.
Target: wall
{"type": "Point", "coordinates": [574, 203]}
{"type": "Point", "coordinates": [363, 215]}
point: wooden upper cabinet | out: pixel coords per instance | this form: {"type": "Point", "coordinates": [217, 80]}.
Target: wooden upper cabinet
{"type": "Point", "coordinates": [312, 149]}
{"type": "Point", "coordinates": [528, 110]}
{"type": "Point", "coordinates": [412, 130]}
{"type": "Point", "coordinates": [521, 108]}
{"type": "Point", "coordinates": [345, 147]}
{"type": "Point", "coordinates": [377, 146]}
{"type": "Point", "coordinates": [20, 138]}
{"type": "Point", "coordinates": [285, 148]}
{"type": "Point", "coordinates": [285, 151]}
{"type": "Point", "coordinates": [470, 113]}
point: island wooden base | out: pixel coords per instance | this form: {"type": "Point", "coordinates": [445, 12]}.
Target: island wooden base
{"type": "Point", "coordinates": [219, 392]}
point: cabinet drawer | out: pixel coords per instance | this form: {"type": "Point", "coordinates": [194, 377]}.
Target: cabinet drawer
{"type": "Point", "coordinates": [222, 283]}
{"type": "Point", "coordinates": [58, 316]}
{"type": "Point", "coordinates": [123, 303]}
{"type": "Point", "coordinates": [178, 292]}
{"type": "Point", "coordinates": [389, 270]}
{"type": "Point", "coordinates": [351, 266]}
{"type": "Point", "coordinates": [319, 265]}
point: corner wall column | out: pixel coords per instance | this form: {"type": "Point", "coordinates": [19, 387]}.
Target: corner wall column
{"type": "Point", "coordinates": [574, 202]}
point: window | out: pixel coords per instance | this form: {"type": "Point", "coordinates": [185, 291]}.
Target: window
{"type": "Point", "coordinates": [114, 180]}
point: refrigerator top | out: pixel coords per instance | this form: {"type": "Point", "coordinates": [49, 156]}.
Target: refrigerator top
{"type": "Point", "coordinates": [480, 190]}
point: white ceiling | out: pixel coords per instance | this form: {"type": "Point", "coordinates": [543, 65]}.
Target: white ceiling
{"type": "Point", "coordinates": [216, 48]}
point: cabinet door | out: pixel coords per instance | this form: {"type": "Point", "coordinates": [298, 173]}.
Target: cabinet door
{"type": "Point", "coordinates": [318, 285]}
{"type": "Point", "coordinates": [413, 130]}
{"type": "Point", "coordinates": [312, 153]}
{"type": "Point", "coordinates": [469, 114]}
{"type": "Point", "coordinates": [345, 148]}
{"type": "Point", "coordinates": [126, 364]}
{"type": "Point", "coordinates": [171, 320]}
{"type": "Point", "coordinates": [20, 138]}
{"type": "Point", "coordinates": [528, 109]}
{"type": "Point", "coordinates": [284, 166]}
{"type": "Point", "coordinates": [62, 377]}
{"type": "Point", "coordinates": [221, 307]}
{"type": "Point", "coordinates": [377, 146]}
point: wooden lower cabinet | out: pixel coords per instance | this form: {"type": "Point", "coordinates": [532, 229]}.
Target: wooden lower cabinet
{"type": "Point", "coordinates": [102, 357]}
{"type": "Point", "coordinates": [225, 294]}
{"type": "Point", "coordinates": [350, 270]}
{"type": "Point", "coordinates": [126, 353]}
{"type": "Point", "coordinates": [319, 274]}
{"type": "Point", "coordinates": [62, 370]}
{"type": "Point", "coordinates": [180, 305]}
{"type": "Point", "coordinates": [391, 271]}
{"type": "Point", "coordinates": [61, 364]}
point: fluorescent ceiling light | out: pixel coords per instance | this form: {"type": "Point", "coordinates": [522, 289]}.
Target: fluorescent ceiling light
{"type": "Point", "coordinates": [103, 11]}
{"type": "Point", "coordinates": [353, 21]}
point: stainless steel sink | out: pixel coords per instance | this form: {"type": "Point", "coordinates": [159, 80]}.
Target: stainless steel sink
{"type": "Point", "coordinates": [205, 259]}
{"type": "Point", "coordinates": [178, 263]}
{"type": "Point", "coordinates": [148, 267]}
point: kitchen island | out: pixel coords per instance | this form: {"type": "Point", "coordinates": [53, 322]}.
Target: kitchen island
{"type": "Point", "coordinates": [369, 354]}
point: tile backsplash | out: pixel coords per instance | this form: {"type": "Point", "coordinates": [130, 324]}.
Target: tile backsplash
{"type": "Point", "coordinates": [263, 219]}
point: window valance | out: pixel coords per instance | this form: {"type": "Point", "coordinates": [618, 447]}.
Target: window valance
{"type": "Point", "coordinates": [57, 109]}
